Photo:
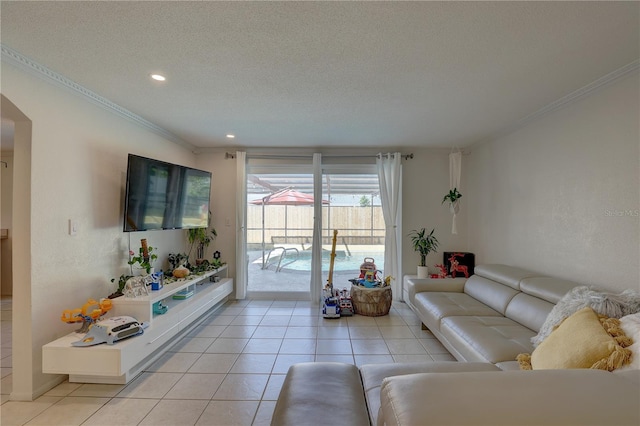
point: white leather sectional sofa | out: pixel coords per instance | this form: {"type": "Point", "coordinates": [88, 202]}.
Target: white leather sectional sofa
{"type": "Point", "coordinates": [490, 317]}
{"type": "Point", "coordinates": [485, 321]}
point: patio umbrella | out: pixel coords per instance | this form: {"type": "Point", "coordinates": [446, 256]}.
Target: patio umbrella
{"type": "Point", "coordinates": [284, 197]}
{"type": "Point", "coordinates": [287, 197]}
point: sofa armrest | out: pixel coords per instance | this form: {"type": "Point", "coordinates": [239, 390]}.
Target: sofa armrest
{"type": "Point", "coordinates": [418, 285]}
{"type": "Point", "coordinates": [315, 393]}
{"type": "Point", "coordinates": [542, 397]}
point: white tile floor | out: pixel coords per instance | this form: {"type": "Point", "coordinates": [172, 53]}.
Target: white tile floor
{"type": "Point", "coordinates": [227, 371]}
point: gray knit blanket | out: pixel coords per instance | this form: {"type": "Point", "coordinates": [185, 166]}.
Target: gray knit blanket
{"type": "Point", "coordinates": [609, 304]}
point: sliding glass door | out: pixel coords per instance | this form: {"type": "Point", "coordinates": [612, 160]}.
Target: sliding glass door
{"type": "Point", "coordinates": [279, 232]}
{"type": "Point", "coordinates": [280, 221]}
{"type": "Point", "coordinates": [355, 212]}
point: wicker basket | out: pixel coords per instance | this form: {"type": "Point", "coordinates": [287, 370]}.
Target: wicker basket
{"type": "Point", "coordinates": [371, 302]}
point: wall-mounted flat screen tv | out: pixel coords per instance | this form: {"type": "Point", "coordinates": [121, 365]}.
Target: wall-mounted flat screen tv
{"type": "Point", "coordinates": [162, 195]}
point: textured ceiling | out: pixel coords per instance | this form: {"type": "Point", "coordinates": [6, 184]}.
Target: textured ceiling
{"type": "Point", "coordinates": [328, 74]}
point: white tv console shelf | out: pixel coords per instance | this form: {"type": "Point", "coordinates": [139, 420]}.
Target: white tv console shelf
{"type": "Point", "coordinates": [122, 361]}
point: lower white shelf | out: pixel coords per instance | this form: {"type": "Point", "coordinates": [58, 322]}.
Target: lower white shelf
{"type": "Point", "coordinates": [120, 362]}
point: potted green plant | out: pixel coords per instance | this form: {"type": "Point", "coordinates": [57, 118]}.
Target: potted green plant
{"type": "Point", "coordinates": [121, 283]}
{"type": "Point", "coordinates": [200, 238]}
{"type": "Point", "coordinates": [453, 197]}
{"type": "Point", "coordinates": [217, 262]}
{"type": "Point", "coordinates": [423, 244]}
{"type": "Point", "coordinates": [142, 261]}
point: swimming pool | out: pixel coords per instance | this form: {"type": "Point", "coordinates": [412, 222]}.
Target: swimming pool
{"type": "Point", "coordinates": [343, 262]}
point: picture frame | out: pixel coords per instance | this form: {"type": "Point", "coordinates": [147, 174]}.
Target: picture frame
{"type": "Point", "coordinates": [459, 264]}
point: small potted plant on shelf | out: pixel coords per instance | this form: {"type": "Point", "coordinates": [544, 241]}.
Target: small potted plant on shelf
{"type": "Point", "coordinates": [144, 260]}
{"type": "Point", "coordinates": [423, 244]}
{"type": "Point", "coordinates": [217, 262]}
{"type": "Point", "coordinates": [201, 239]}
{"type": "Point", "coordinates": [121, 283]}
{"type": "Point", "coordinates": [454, 200]}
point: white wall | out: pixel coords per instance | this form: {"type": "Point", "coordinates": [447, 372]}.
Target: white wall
{"type": "Point", "coordinates": [223, 206]}
{"type": "Point", "coordinates": [425, 181]}
{"type": "Point", "coordinates": [560, 196]}
{"type": "Point", "coordinates": [78, 166]}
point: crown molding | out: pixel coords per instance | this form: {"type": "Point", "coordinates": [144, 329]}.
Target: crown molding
{"type": "Point", "coordinates": [29, 65]}
{"type": "Point", "coordinates": [564, 101]}
{"type": "Point", "coordinates": [580, 93]}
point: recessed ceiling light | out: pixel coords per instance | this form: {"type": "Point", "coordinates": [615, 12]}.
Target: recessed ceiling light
{"type": "Point", "coordinates": [230, 136]}
{"type": "Point", "coordinates": [158, 77]}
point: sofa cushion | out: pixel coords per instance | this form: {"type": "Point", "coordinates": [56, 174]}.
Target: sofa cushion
{"type": "Point", "coordinates": [528, 311]}
{"type": "Point", "coordinates": [508, 365]}
{"type": "Point", "coordinates": [487, 338]}
{"type": "Point", "coordinates": [373, 374]}
{"type": "Point", "coordinates": [582, 341]}
{"type": "Point", "coordinates": [547, 288]}
{"type": "Point", "coordinates": [549, 397]}
{"type": "Point", "coordinates": [493, 294]}
{"type": "Point", "coordinates": [504, 274]}
{"type": "Point", "coordinates": [310, 391]}
{"type": "Point", "coordinates": [632, 375]}
{"type": "Point", "coordinates": [433, 306]}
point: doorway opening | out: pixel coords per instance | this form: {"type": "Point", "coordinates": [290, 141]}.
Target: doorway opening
{"type": "Point", "coordinates": [20, 382]}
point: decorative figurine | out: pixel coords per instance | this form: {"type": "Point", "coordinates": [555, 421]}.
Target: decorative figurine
{"type": "Point", "coordinates": [137, 286]}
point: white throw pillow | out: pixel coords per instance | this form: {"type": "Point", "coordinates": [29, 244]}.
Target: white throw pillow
{"type": "Point", "coordinates": [630, 324]}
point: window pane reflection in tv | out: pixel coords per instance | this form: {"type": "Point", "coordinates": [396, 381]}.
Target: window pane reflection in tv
{"type": "Point", "coordinates": [161, 195]}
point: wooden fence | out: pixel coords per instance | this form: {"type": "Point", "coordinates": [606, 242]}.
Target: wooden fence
{"type": "Point", "coordinates": [291, 221]}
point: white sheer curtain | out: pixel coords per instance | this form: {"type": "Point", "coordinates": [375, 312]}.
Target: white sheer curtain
{"type": "Point", "coordinates": [455, 171]}
{"type": "Point", "coordinates": [241, 220]}
{"type": "Point", "coordinates": [316, 252]}
{"type": "Point", "coordinates": [390, 176]}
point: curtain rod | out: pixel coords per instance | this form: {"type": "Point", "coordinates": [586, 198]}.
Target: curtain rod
{"type": "Point", "coordinates": [228, 155]}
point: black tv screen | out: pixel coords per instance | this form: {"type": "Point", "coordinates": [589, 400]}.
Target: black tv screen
{"type": "Point", "coordinates": [162, 195]}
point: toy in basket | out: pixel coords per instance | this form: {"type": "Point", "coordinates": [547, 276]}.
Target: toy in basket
{"type": "Point", "coordinates": [369, 270]}
{"type": "Point", "coordinates": [369, 277]}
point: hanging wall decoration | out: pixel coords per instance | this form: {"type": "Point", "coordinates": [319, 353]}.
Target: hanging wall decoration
{"type": "Point", "coordinates": [454, 195]}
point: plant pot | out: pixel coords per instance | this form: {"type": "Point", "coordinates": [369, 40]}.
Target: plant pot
{"type": "Point", "coordinates": [454, 207]}
{"type": "Point", "coordinates": [423, 272]}
{"type": "Point", "coordinates": [141, 272]}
